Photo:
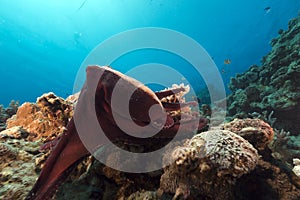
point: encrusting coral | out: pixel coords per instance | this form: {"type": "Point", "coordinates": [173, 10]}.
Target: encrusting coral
{"type": "Point", "coordinates": [26, 131]}
{"type": "Point", "coordinates": [285, 147]}
{"type": "Point", "coordinates": [17, 167]}
{"type": "Point", "coordinates": [44, 119]}
{"type": "Point", "coordinates": [16, 132]}
{"type": "Point", "coordinates": [7, 152]}
{"type": "Point", "coordinates": [208, 165]}
{"type": "Point", "coordinates": [211, 165]}
{"type": "Point", "coordinates": [256, 131]}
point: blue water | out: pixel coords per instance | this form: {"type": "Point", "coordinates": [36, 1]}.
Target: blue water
{"type": "Point", "coordinates": [43, 43]}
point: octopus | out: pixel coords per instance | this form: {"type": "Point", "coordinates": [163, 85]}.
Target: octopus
{"type": "Point", "coordinates": [146, 108]}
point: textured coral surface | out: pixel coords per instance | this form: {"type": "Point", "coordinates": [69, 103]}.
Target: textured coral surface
{"type": "Point", "coordinates": [17, 167]}
{"type": "Point", "coordinates": [6, 113]}
{"type": "Point", "coordinates": [244, 159]}
{"type": "Point", "coordinates": [211, 165]}
{"type": "Point", "coordinates": [21, 160]}
{"type": "Point", "coordinates": [44, 119]}
{"type": "Point", "coordinates": [208, 165]}
{"type": "Point", "coordinates": [256, 131]}
{"type": "Point", "coordinates": [274, 87]}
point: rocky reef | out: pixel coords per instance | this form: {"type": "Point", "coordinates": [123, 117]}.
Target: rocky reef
{"type": "Point", "coordinates": [6, 113]}
{"type": "Point", "coordinates": [272, 91]}
{"type": "Point", "coordinates": [19, 166]}
{"type": "Point", "coordinates": [215, 164]}
{"type": "Point", "coordinates": [208, 166]}
{"type": "Point", "coordinates": [30, 126]}
{"type": "Point", "coordinates": [255, 155]}
{"type": "Point", "coordinates": [44, 119]}
{"type": "Point", "coordinates": [232, 161]}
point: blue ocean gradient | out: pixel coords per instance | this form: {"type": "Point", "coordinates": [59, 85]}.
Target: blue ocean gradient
{"type": "Point", "coordinates": [43, 43]}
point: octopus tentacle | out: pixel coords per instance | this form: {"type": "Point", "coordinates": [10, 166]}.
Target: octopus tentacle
{"type": "Point", "coordinates": [49, 145]}
{"type": "Point", "coordinates": [166, 93]}
{"type": "Point", "coordinates": [68, 151]}
{"type": "Point", "coordinates": [168, 106]}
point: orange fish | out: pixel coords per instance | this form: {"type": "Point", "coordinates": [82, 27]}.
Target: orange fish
{"type": "Point", "coordinates": [227, 61]}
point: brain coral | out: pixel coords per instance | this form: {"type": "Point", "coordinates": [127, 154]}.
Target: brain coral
{"type": "Point", "coordinates": [208, 165]}
{"type": "Point", "coordinates": [228, 152]}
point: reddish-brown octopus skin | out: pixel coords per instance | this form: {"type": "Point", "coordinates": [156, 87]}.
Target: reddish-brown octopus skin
{"type": "Point", "coordinates": [95, 96]}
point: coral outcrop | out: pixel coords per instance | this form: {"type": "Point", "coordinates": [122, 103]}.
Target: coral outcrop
{"type": "Point", "coordinates": [208, 165]}
{"type": "Point", "coordinates": [219, 163]}
{"type": "Point", "coordinates": [31, 126]}
{"type": "Point", "coordinates": [6, 113]}
{"type": "Point", "coordinates": [16, 132]}
{"type": "Point", "coordinates": [17, 167]}
{"type": "Point", "coordinates": [273, 87]}
{"type": "Point", "coordinates": [285, 147]}
{"type": "Point", "coordinates": [266, 181]}
{"type": "Point", "coordinates": [256, 131]}
{"type": "Point", "coordinates": [44, 119]}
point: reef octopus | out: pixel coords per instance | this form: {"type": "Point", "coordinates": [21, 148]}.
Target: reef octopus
{"type": "Point", "coordinates": [146, 108]}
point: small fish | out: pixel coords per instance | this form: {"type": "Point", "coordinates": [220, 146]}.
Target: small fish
{"type": "Point", "coordinates": [223, 71]}
{"type": "Point", "coordinates": [267, 9]}
{"type": "Point", "coordinates": [227, 61]}
{"type": "Point", "coordinates": [183, 78]}
{"type": "Point", "coordinates": [82, 4]}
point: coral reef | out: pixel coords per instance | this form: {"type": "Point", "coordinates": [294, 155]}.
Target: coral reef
{"type": "Point", "coordinates": [256, 131]}
{"type": "Point", "coordinates": [285, 147]}
{"type": "Point", "coordinates": [31, 126]}
{"type": "Point", "coordinates": [208, 165]}
{"type": "Point", "coordinates": [266, 181]}
{"type": "Point", "coordinates": [273, 87]}
{"type": "Point", "coordinates": [93, 180]}
{"type": "Point", "coordinates": [6, 113]}
{"type": "Point", "coordinates": [213, 164]}
{"type": "Point", "coordinates": [18, 167]}
{"type": "Point", "coordinates": [16, 132]}
{"type": "Point", "coordinates": [44, 119]}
